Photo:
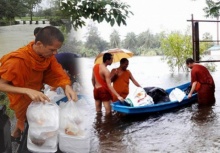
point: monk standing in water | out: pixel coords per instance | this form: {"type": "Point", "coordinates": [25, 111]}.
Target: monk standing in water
{"type": "Point", "coordinates": [121, 77]}
{"type": "Point", "coordinates": [102, 85]}
{"type": "Point", "coordinates": [24, 71]}
{"type": "Point", "coordinates": [202, 82]}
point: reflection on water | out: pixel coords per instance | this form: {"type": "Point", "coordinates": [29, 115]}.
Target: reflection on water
{"type": "Point", "coordinates": [187, 130]}
{"type": "Point", "coordinates": [204, 115]}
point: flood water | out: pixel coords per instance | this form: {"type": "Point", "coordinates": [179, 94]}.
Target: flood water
{"type": "Point", "coordinates": [187, 130]}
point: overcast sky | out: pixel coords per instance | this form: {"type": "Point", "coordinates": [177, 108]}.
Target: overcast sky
{"type": "Point", "coordinates": [160, 15]}
{"type": "Point", "coordinates": [157, 16]}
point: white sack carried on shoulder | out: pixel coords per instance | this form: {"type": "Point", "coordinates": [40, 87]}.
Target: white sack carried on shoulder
{"type": "Point", "coordinates": [139, 98]}
{"type": "Point", "coordinates": [177, 95]}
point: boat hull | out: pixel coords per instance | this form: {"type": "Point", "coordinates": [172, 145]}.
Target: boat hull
{"type": "Point", "coordinates": [153, 108]}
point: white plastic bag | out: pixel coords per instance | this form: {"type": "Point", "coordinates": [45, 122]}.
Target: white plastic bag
{"type": "Point", "coordinates": [43, 120]}
{"type": "Point", "coordinates": [54, 96]}
{"type": "Point", "coordinates": [139, 98]}
{"type": "Point", "coordinates": [74, 128]}
{"type": "Point", "coordinates": [177, 95]}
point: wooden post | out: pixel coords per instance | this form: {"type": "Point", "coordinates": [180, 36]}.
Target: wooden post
{"type": "Point", "coordinates": [196, 42]}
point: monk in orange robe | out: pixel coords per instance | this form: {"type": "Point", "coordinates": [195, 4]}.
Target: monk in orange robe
{"type": "Point", "coordinates": [24, 71]}
{"type": "Point", "coordinates": [121, 77]}
{"type": "Point", "coordinates": [103, 90]}
{"type": "Point", "coordinates": [202, 82]}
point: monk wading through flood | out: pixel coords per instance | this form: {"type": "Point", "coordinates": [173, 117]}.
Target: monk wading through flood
{"type": "Point", "coordinates": [202, 82]}
{"type": "Point", "coordinates": [24, 71]}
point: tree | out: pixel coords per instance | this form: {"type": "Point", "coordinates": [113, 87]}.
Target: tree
{"type": "Point", "coordinates": [11, 8]}
{"type": "Point", "coordinates": [212, 10]}
{"type": "Point", "coordinates": [111, 11]}
{"type": "Point", "coordinates": [130, 41]}
{"type": "Point", "coordinates": [177, 48]}
{"type": "Point", "coordinates": [30, 5]}
{"type": "Point", "coordinates": [93, 40]}
{"type": "Point", "coordinates": [115, 39]}
{"type": "Point", "coordinates": [145, 39]}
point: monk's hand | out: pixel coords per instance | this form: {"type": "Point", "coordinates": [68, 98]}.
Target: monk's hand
{"type": "Point", "coordinates": [70, 93]}
{"type": "Point", "coordinates": [189, 95]}
{"type": "Point", "coordinates": [120, 98]}
{"type": "Point", "coordinates": [37, 96]}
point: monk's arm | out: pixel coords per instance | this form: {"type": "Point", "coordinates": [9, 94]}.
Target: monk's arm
{"type": "Point", "coordinates": [192, 89]}
{"type": "Point", "coordinates": [134, 81]}
{"type": "Point", "coordinates": [33, 94]}
{"type": "Point", "coordinates": [93, 80]}
{"type": "Point", "coordinates": [113, 75]}
{"type": "Point", "coordinates": [108, 81]}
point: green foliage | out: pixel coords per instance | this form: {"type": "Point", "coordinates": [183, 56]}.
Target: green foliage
{"type": "Point", "coordinates": [130, 41]}
{"type": "Point", "coordinates": [177, 48]}
{"type": "Point", "coordinates": [30, 5]}
{"type": "Point", "coordinates": [97, 10]}
{"type": "Point", "coordinates": [93, 40]}
{"type": "Point", "coordinates": [11, 8]}
{"type": "Point", "coordinates": [147, 39]}
{"type": "Point", "coordinates": [212, 9]}
{"type": "Point", "coordinates": [87, 52]}
{"type": "Point", "coordinates": [115, 40]}
{"type": "Point", "coordinates": [4, 101]}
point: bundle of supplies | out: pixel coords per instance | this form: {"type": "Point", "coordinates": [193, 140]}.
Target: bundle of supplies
{"type": "Point", "coordinates": [177, 95]}
{"type": "Point", "coordinates": [139, 98]}
{"type": "Point", "coordinates": [73, 131]}
{"type": "Point", "coordinates": [43, 119]}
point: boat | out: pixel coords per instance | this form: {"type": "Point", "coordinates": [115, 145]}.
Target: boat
{"type": "Point", "coordinates": [123, 107]}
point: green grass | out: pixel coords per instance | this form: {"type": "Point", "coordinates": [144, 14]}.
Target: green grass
{"type": "Point", "coordinates": [5, 101]}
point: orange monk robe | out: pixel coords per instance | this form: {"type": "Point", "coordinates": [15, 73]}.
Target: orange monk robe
{"type": "Point", "coordinates": [24, 68]}
{"type": "Point", "coordinates": [121, 85]}
{"type": "Point", "coordinates": [99, 79]}
{"type": "Point", "coordinates": [206, 92]}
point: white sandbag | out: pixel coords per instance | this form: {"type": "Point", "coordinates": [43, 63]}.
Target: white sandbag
{"type": "Point", "coordinates": [139, 98]}
{"type": "Point", "coordinates": [73, 132]}
{"type": "Point", "coordinates": [43, 120]}
{"type": "Point", "coordinates": [177, 95]}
